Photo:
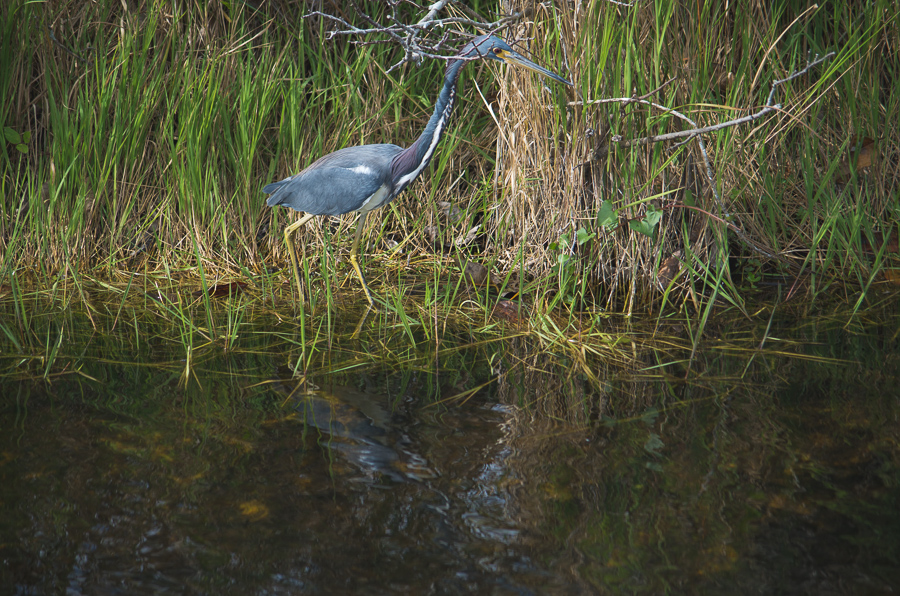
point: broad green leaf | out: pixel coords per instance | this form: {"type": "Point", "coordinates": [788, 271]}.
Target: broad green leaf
{"type": "Point", "coordinates": [11, 135]}
{"type": "Point", "coordinates": [641, 227]}
{"type": "Point", "coordinates": [607, 216]}
{"type": "Point", "coordinates": [654, 443]}
{"type": "Point", "coordinates": [582, 236]}
{"type": "Point", "coordinates": [653, 216]}
{"type": "Point", "coordinates": [689, 198]}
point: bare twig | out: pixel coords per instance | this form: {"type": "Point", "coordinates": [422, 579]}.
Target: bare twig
{"type": "Point", "coordinates": [407, 36]}
{"type": "Point", "coordinates": [350, 29]}
{"type": "Point", "coordinates": [432, 12]}
{"type": "Point", "coordinates": [695, 131]}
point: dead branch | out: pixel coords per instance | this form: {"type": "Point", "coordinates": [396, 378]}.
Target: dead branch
{"type": "Point", "coordinates": [415, 48]}
{"type": "Point", "coordinates": [767, 108]}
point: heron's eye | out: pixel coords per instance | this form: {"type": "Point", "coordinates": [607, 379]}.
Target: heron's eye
{"type": "Point", "coordinates": [497, 51]}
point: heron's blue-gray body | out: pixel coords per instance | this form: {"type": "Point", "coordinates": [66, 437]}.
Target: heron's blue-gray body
{"type": "Point", "coordinates": [369, 176]}
{"type": "Point", "coordinates": [351, 179]}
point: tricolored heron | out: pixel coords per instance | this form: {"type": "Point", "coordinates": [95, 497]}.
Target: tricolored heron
{"type": "Point", "coordinates": [370, 176]}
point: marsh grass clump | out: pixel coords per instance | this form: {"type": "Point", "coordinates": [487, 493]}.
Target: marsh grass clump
{"type": "Point", "coordinates": [138, 137]}
{"type": "Point", "coordinates": [785, 203]}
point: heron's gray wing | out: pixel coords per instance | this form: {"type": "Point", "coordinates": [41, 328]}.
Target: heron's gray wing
{"type": "Point", "coordinates": [337, 183]}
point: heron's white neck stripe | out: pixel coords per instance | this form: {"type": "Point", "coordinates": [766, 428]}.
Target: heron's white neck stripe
{"type": "Point", "coordinates": [438, 129]}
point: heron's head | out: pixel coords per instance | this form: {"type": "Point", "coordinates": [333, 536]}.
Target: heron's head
{"type": "Point", "coordinates": [493, 48]}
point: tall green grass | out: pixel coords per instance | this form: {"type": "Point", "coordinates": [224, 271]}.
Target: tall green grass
{"type": "Point", "coordinates": [151, 137]}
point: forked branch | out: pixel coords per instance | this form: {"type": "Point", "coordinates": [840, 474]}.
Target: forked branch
{"type": "Point", "coordinates": [416, 46]}
{"type": "Point", "coordinates": [768, 108]}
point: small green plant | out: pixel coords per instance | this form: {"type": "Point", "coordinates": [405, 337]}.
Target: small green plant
{"type": "Point", "coordinates": [647, 226]}
{"type": "Point", "coordinates": [564, 267]}
{"type": "Point", "coordinates": [607, 215]}
{"type": "Point", "coordinates": [19, 141]}
{"type": "Point", "coordinates": [753, 272]}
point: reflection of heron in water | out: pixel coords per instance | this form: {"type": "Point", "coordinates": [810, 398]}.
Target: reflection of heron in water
{"type": "Point", "coordinates": [360, 429]}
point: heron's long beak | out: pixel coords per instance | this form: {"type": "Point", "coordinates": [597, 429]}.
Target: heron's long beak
{"type": "Point", "coordinates": [517, 58]}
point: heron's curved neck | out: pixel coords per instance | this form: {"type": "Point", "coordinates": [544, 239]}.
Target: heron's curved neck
{"type": "Point", "coordinates": [410, 162]}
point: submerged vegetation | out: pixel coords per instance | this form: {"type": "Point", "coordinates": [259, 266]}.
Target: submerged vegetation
{"type": "Point", "coordinates": [139, 136]}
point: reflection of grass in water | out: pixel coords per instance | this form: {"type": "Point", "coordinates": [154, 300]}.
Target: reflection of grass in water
{"type": "Point", "coordinates": [718, 478]}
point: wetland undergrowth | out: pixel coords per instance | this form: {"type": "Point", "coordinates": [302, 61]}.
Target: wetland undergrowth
{"type": "Point", "coordinates": [134, 160]}
{"type": "Point", "coordinates": [51, 334]}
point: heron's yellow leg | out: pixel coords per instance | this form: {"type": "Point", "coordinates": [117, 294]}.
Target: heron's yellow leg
{"type": "Point", "coordinates": [288, 233]}
{"type": "Point", "coordinates": [360, 224]}
{"type": "Point", "coordinates": [362, 320]}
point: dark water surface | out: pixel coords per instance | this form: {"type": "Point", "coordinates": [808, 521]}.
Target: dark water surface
{"type": "Point", "coordinates": [137, 457]}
